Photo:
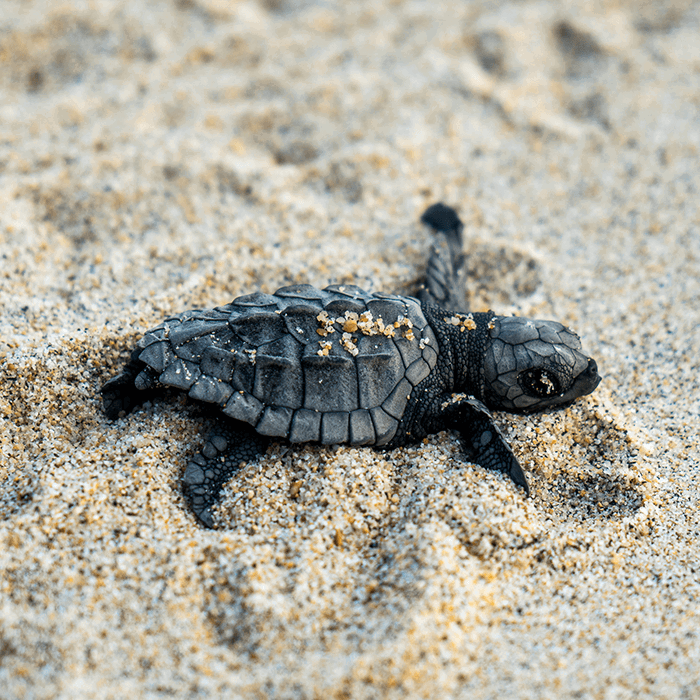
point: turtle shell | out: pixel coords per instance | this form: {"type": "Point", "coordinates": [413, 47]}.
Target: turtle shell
{"type": "Point", "coordinates": [333, 365]}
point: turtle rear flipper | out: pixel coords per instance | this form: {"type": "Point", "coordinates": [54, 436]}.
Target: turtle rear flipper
{"type": "Point", "coordinates": [120, 395]}
{"type": "Point", "coordinates": [444, 282]}
{"type": "Point", "coordinates": [227, 446]}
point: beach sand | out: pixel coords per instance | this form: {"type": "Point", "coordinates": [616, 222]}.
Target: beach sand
{"type": "Point", "coordinates": [160, 156]}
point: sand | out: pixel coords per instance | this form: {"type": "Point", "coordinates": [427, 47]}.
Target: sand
{"type": "Point", "coordinates": [159, 156]}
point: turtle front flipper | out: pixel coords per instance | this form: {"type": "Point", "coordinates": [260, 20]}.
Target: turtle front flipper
{"type": "Point", "coordinates": [444, 282]}
{"type": "Point", "coordinates": [482, 438]}
{"type": "Point", "coordinates": [228, 445]}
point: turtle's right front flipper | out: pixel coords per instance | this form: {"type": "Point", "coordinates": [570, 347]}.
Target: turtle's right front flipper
{"type": "Point", "coordinates": [228, 445]}
{"type": "Point", "coordinates": [482, 438]}
{"type": "Point", "coordinates": [444, 282]}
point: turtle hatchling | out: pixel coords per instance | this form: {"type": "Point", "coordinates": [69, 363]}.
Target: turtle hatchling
{"type": "Point", "coordinates": [342, 365]}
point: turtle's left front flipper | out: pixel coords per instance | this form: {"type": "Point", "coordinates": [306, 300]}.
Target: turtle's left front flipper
{"type": "Point", "coordinates": [482, 438]}
{"type": "Point", "coordinates": [444, 282]}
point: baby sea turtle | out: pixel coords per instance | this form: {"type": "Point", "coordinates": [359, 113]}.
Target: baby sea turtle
{"type": "Point", "coordinates": [341, 365]}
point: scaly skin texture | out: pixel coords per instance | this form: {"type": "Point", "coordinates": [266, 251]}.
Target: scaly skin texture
{"type": "Point", "coordinates": [459, 369]}
{"type": "Point", "coordinates": [444, 283]}
{"type": "Point", "coordinates": [229, 445]}
{"type": "Point", "coordinates": [450, 398]}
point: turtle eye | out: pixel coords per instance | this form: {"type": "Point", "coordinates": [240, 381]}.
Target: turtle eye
{"type": "Point", "coordinates": [540, 382]}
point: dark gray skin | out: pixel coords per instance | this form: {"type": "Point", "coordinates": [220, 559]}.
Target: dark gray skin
{"type": "Point", "coordinates": [341, 365]}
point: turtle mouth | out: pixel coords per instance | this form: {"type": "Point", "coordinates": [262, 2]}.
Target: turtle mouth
{"type": "Point", "coordinates": [584, 384]}
{"type": "Point", "coordinates": [588, 380]}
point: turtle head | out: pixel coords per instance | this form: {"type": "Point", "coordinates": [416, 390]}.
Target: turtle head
{"type": "Point", "coordinates": [530, 365]}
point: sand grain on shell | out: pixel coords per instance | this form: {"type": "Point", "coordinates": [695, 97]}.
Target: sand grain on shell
{"type": "Point", "coordinates": [161, 156]}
